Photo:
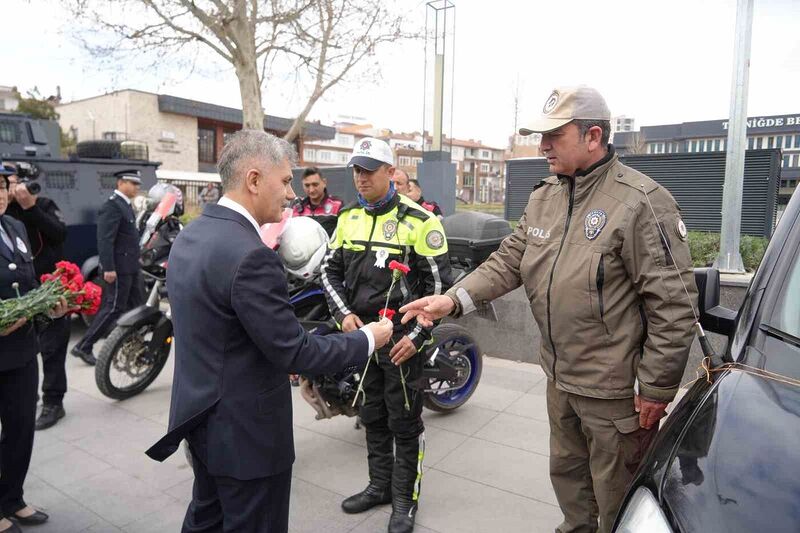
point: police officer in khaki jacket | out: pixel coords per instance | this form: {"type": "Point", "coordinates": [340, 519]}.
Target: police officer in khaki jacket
{"type": "Point", "coordinates": [592, 251]}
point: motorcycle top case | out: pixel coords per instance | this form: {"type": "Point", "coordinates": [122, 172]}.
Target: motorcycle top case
{"type": "Point", "coordinates": [473, 236]}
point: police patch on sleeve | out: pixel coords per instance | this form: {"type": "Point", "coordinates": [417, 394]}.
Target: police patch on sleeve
{"type": "Point", "coordinates": [594, 223]}
{"type": "Point", "coordinates": [434, 239]}
{"type": "Point", "coordinates": [680, 229]}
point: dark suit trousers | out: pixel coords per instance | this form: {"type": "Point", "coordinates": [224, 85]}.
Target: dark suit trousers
{"type": "Point", "coordinates": [225, 504]}
{"type": "Point", "coordinates": [122, 295]}
{"type": "Point", "coordinates": [53, 342]}
{"type": "Point", "coordinates": [18, 388]}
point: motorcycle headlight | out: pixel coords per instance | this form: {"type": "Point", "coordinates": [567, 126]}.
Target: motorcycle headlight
{"type": "Point", "coordinates": [643, 515]}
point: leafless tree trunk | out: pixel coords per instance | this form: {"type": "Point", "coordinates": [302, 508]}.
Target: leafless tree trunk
{"type": "Point", "coordinates": [638, 144]}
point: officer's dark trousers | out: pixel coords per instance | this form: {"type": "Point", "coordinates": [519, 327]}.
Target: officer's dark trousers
{"type": "Point", "coordinates": [18, 388]}
{"type": "Point", "coordinates": [124, 294]}
{"type": "Point", "coordinates": [53, 342]}
{"type": "Point", "coordinates": [387, 420]}
{"type": "Point", "coordinates": [225, 504]}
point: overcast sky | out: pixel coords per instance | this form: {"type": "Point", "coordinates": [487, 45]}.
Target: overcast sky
{"type": "Point", "coordinates": [659, 62]}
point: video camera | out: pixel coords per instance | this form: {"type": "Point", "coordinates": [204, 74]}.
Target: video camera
{"type": "Point", "coordinates": [27, 174]}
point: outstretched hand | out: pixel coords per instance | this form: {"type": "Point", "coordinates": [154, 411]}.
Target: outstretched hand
{"type": "Point", "coordinates": [427, 309]}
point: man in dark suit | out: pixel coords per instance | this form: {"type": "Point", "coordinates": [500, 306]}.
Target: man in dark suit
{"type": "Point", "coordinates": [118, 247]}
{"type": "Point", "coordinates": [236, 338]}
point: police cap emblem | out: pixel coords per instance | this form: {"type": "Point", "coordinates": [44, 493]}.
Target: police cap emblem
{"type": "Point", "coordinates": [551, 103]}
{"type": "Point", "coordinates": [389, 229]}
{"type": "Point", "coordinates": [434, 239]}
{"type": "Point", "coordinates": [365, 145]}
{"type": "Point", "coordinates": [594, 223]}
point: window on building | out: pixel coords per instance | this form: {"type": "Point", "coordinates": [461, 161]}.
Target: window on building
{"type": "Point", "coordinates": [309, 155]}
{"type": "Point", "coordinates": [785, 161]}
{"type": "Point", "coordinates": [750, 142]}
{"type": "Point", "coordinates": [717, 145]}
{"type": "Point", "coordinates": [485, 154]}
{"type": "Point", "coordinates": [484, 167]}
{"type": "Point", "coordinates": [759, 143]}
{"type": "Point", "coordinates": [469, 181]}
{"type": "Point", "coordinates": [694, 146]}
{"type": "Point", "coordinates": [787, 142]}
{"type": "Point", "coordinates": [797, 141]}
{"type": "Point", "coordinates": [779, 141]}
{"type": "Point", "coordinates": [344, 157]}
{"type": "Point", "coordinates": [324, 155]}
{"type": "Point", "coordinates": [405, 161]}
{"type": "Point", "coordinates": [771, 142]}
{"type": "Point", "coordinates": [114, 136]}
{"type": "Point", "coordinates": [206, 144]}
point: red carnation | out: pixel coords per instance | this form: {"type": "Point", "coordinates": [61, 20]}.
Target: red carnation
{"type": "Point", "coordinates": [396, 265]}
{"type": "Point", "coordinates": [387, 313]}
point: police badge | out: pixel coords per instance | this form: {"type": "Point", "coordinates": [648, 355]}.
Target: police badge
{"type": "Point", "coordinates": [389, 229]}
{"type": "Point", "coordinates": [594, 223]}
{"type": "Point", "coordinates": [328, 208]}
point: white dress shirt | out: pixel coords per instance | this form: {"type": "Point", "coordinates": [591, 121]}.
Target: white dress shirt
{"type": "Point", "coordinates": [233, 205]}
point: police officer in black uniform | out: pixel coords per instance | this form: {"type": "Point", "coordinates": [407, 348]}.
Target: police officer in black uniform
{"type": "Point", "coordinates": [19, 371]}
{"type": "Point", "coordinates": [118, 247]}
{"type": "Point", "coordinates": [46, 232]}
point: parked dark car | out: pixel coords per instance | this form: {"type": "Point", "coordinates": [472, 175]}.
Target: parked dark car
{"type": "Point", "coordinates": [728, 457]}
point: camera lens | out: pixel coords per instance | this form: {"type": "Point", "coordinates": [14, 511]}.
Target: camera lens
{"type": "Point", "coordinates": [33, 187]}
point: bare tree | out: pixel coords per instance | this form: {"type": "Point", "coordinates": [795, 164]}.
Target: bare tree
{"type": "Point", "coordinates": [637, 144]}
{"type": "Point", "coordinates": [323, 39]}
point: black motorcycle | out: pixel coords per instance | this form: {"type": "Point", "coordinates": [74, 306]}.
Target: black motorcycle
{"type": "Point", "coordinates": [136, 350]}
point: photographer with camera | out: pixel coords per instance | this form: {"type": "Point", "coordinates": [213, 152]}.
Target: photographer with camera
{"type": "Point", "coordinates": [46, 232]}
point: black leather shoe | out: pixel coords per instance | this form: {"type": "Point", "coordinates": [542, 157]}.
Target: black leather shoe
{"type": "Point", "coordinates": [404, 514]}
{"type": "Point", "coordinates": [367, 499]}
{"type": "Point", "coordinates": [49, 416]}
{"type": "Point", "coordinates": [33, 520]}
{"type": "Point", "coordinates": [86, 357]}
{"type": "Point", "coordinates": [13, 529]}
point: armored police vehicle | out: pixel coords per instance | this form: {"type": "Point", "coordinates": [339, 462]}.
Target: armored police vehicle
{"type": "Point", "coordinates": [79, 184]}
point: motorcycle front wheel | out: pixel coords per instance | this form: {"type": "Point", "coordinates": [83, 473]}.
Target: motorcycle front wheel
{"type": "Point", "coordinates": [126, 365]}
{"type": "Point", "coordinates": [456, 344]}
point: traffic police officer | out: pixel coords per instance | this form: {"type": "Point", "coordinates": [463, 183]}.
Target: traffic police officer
{"type": "Point", "coordinates": [46, 232]}
{"type": "Point", "coordinates": [118, 247]}
{"type": "Point", "coordinates": [19, 372]}
{"type": "Point", "coordinates": [601, 250]}
{"type": "Point", "coordinates": [380, 227]}
{"type": "Point", "coordinates": [318, 204]}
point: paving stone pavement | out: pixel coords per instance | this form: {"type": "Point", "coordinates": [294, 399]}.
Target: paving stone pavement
{"type": "Point", "coordinates": [485, 465]}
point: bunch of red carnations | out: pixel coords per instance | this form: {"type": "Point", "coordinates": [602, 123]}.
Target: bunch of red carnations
{"type": "Point", "coordinates": [65, 282]}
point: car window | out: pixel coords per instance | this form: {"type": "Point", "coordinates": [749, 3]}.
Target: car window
{"type": "Point", "coordinates": [786, 317]}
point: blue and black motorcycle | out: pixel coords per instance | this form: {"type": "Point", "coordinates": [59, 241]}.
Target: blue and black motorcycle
{"type": "Point", "coordinates": [453, 361]}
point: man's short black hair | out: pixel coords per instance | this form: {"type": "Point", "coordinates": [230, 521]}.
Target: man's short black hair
{"type": "Point", "coordinates": [415, 181]}
{"type": "Point", "coordinates": [585, 125]}
{"type": "Point", "coordinates": [310, 171]}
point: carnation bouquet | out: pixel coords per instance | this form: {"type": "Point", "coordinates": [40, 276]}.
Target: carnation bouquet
{"type": "Point", "coordinates": [65, 282]}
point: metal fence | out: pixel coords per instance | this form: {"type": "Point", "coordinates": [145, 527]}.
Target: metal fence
{"type": "Point", "coordinates": [695, 180]}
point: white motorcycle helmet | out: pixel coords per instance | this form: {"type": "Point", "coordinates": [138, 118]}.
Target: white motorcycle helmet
{"type": "Point", "coordinates": [303, 245]}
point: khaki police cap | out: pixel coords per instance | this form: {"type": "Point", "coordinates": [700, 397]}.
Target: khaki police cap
{"type": "Point", "coordinates": [566, 104]}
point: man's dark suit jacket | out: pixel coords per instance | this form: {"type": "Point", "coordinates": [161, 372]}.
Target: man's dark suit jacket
{"type": "Point", "coordinates": [236, 339]}
{"type": "Point", "coordinates": [117, 237]}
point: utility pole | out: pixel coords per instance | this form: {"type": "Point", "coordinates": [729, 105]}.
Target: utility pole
{"type": "Point", "coordinates": [729, 259]}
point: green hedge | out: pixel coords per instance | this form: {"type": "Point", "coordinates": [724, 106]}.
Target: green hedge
{"type": "Point", "coordinates": [705, 247]}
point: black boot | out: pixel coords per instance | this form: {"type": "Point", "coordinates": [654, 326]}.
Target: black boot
{"type": "Point", "coordinates": [404, 513]}
{"type": "Point", "coordinates": [49, 416]}
{"type": "Point", "coordinates": [367, 499]}
{"type": "Point", "coordinates": [87, 357]}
